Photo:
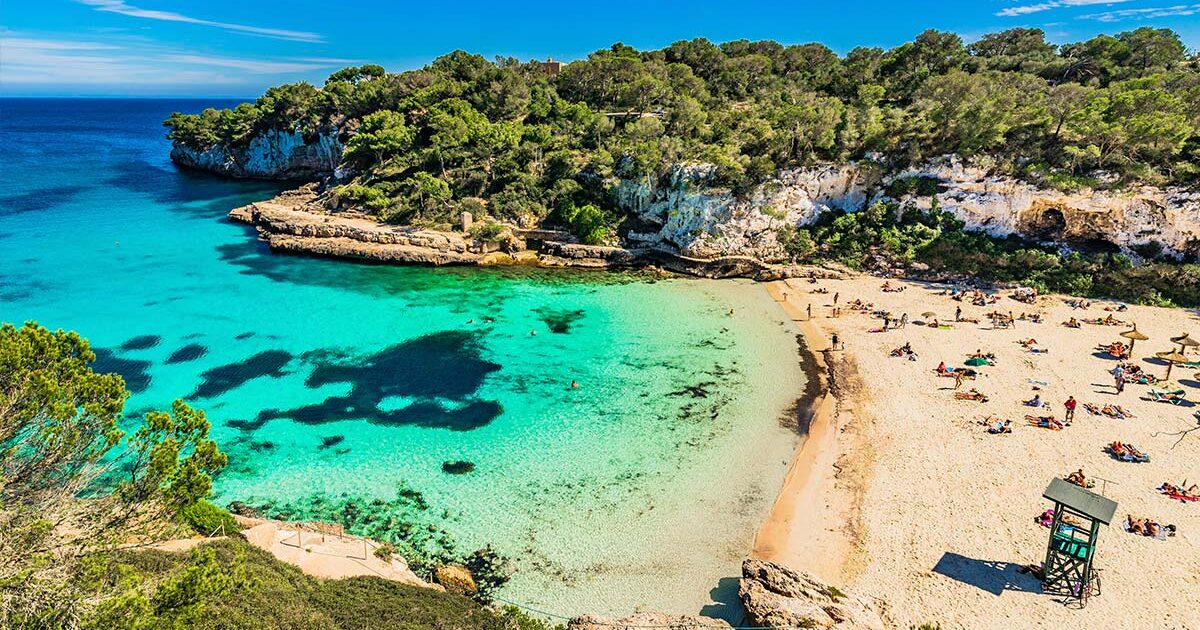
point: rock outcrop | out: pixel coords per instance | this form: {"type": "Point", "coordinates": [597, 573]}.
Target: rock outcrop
{"type": "Point", "coordinates": [282, 155]}
{"type": "Point", "coordinates": [701, 220]}
{"type": "Point", "coordinates": [698, 219]}
{"type": "Point", "coordinates": [297, 222]}
{"type": "Point", "coordinates": [1125, 219]}
{"type": "Point", "coordinates": [646, 620]}
{"type": "Point", "coordinates": [774, 595]}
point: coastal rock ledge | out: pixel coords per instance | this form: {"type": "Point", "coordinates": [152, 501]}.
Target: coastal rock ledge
{"type": "Point", "coordinates": [297, 222]}
{"type": "Point", "coordinates": [773, 596]}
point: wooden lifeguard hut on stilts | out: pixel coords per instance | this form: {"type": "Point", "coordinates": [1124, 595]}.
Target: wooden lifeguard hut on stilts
{"type": "Point", "coordinates": [1078, 515]}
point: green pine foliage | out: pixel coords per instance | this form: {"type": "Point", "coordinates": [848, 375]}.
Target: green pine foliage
{"type": "Point", "coordinates": [535, 146]}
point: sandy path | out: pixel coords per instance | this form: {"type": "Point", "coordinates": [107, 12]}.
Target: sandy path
{"type": "Point", "coordinates": [900, 494]}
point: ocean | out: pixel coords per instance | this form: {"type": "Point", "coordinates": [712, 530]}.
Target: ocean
{"type": "Point", "coordinates": [436, 403]}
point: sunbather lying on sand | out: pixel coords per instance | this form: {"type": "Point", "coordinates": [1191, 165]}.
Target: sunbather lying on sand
{"type": "Point", "coordinates": [1044, 422]}
{"type": "Point", "coordinates": [1127, 452]}
{"type": "Point", "coordinates": [1148, 527]}
{"type": "Point", "coordinates": [1072, 323]}
{"type": "Point", "coordinates": [971, 395]}
{"type": "Point", "coordinates": [1116, 411]}
{"type": "Point", "coordinates": [1183, 492]}
{"type": "Point", "coordinates": [1000, 427]}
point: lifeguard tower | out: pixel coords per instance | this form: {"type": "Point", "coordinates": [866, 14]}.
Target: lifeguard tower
{"type": "Point", "coordinates": [1078, 515]}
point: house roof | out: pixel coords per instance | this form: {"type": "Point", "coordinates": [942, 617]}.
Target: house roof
{"type": "Point", "coordinates": [1081, 500]}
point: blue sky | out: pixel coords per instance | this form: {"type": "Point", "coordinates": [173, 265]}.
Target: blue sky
{"type": "Point", "coordinates": [239, 47]}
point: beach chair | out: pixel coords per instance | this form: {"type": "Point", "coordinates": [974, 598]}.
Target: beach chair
{"type": "Point", "coordinates": [1174, 397]}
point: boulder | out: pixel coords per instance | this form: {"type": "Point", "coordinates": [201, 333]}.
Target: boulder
{"type": "Point", "coordinates": [456, 579]}
{"type": "Point", "coordinates": [645, 619]}
{"type": "Point", "coordinates": [774, 595]}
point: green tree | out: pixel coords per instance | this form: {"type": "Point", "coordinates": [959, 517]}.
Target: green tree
{"type": "Point", "coordinates": [383, 135]}
{"type": "Point", "coordinates": [58, 427]}
{"type": "Point", "coordinates": [1152, 49]}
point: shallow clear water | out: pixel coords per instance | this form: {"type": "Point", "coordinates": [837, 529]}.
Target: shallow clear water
{"type": "Point", "coordinates": [339, 390]}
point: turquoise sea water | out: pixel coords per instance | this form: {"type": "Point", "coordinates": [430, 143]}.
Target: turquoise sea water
{"type": "Point", "coordinates": [339, 390]}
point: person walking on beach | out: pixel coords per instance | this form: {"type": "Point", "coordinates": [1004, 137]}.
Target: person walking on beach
{"type": "Point", "coordinates": [835, 297]}
{"type": "Point", "coordinates": [958, 313]}
{"type": "Point", "coordinates": [904, 320]}
{"type": "Point", "coordinates": [959, 377]}
{"type": "Point", "coordinates": [1070, 407]}
{"type": "Point", "coordinates": [810, 310]}
{"type": "Point", "coordinates": [834, 341]}
{"type": "Point", "coordinates": [1119, 378]}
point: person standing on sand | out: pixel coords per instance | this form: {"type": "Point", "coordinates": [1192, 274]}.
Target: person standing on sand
{"type": "Point", "coordinates": [959, 377]}
{"type": "Point", "coordinates": [904, 320]}
{"type": "Point", "coordinates": [810, 310]}
{"type": "Point", "coordinates": [834, 341]}
{"type": "Point", "coordinates": [1119, 378]}
{"type": "Point", "coordinates": [958, 313]}
{"type": "Point", "coordinates": [835, 297]}
{"type": "Point", "coordinates": [1070, 407]}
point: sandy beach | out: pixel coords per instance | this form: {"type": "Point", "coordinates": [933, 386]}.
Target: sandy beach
{"type": "Point", "coordinates": [902, 495]}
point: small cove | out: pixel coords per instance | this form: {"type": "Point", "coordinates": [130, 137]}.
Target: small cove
{"type": "Point", "coordinates": [341, 390]}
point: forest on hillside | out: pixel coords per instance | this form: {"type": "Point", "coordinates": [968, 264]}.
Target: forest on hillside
{"type": "Point", "coordinates": [514, 141]}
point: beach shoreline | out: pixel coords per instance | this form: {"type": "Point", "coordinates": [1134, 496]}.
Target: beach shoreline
{"type": "Point", "coordinates": [892, 457]}
{"type": "Point", "coordinates": [797, 531]}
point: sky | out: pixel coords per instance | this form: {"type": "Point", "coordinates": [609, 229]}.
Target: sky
{"type": "Point", "coordinates": [237, 48]}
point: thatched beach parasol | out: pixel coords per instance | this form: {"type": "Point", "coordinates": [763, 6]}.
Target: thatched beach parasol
{"type": "Point", "coordinates": [1185, 342]}
{"type": "Point", "coordinates": [1133, 336]}
{"type": "Point", "coordinates": [1171, 358]}
{"type": "Point", "coordinates": [928, 314]}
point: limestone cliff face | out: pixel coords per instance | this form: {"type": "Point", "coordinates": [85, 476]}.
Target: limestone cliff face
{"type": "Point", "coordinates": [1124, 219]}
{"type": "Point", "coordinates": [689, 214]}
{"type": "Point", "coordinates": [704, 221]}
{"type": "Point", "coordinates": [697, 219]}
{"type": "Point", "coordinates": [282, 155]}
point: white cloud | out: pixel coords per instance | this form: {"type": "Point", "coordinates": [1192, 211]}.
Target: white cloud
{"type": "Point", "coordinates": [1145, 14]}
{"type": "Point", "coordinates": [249, 65]}
{"type": "Point", "coordinates": [32, 60]}
{"type": "Point", "coordinates": [120, 7]}
{"type": "Point", "coordinates": [1051, 4]}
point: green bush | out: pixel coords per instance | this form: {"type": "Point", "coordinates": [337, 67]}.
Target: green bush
{"type": "Point", "coordinates": [207, 519]}
{"type": "Point", "coordinates": [487, 232]}
{"type": "Point", "coordinates": [230, 584]}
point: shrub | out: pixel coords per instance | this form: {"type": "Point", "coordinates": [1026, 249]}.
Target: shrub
{"type": "Point", "coordinates": [385, 551]}
{"type": "Point", "coordinates": [487, 232]}
{"type": "Point", "coordinates": [207, 519]}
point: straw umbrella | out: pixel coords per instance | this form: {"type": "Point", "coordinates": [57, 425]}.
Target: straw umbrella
{"type": "Point", "coordinates": [928, 314]}
{"type": "Point", "coordinates": [1185, 342]}
{"type": "Point", "coordinates": [1133, 336]}
{"type": "Point", "coordinates": [1171, 358]}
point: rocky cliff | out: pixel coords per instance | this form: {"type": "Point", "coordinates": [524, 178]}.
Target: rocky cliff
{"type": "Point", "coordinates": [282, 155]}
{"type": "Point", "coordinates": [702, 220]}
{"type": "Point", "coordinates": [689, 215]}
{"type": "Point", "coordinates": [1122, 219]}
